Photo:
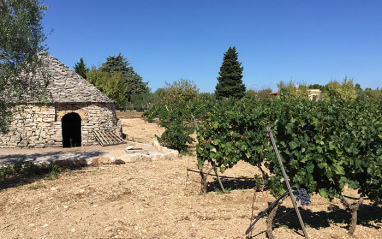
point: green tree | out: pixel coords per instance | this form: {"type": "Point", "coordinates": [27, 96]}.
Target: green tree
{"type": "Point", "coordinates": [361, 94]}
{"type": "Point", "coordinates": [262, 94]}
{"type": "Point", "coordinates": [179, 92]}
{"type": "Point", "coordinates": [230, 82]}
{"type": "Point", "coordinates": [373, 94]}
{"type": "Point", "coordinates": [292, 91]}
{"type": "Point", "coordinates": [117, 80]}
{"type": "Point", "coordinates": [21, 41]}
{"type": "Point", "coordinates": [316, 86]}
{"type": "Point", "coordinates": [132, 79]}
{"type": "Point", "coordinates": [141, 102]}
{"type": "Point", "coordinates": [206, 97]}
{"type": "Point", "coordinates": [345, 90]}
{"type": "Point", "coordinates": [158, 94]}
{"type": "Point", "coordinates": [81, 68]}
{"type": "Point", "coordinates": [111, 84]}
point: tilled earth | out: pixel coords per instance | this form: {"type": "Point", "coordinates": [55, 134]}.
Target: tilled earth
{"type": "Point", "coordinates": [161, 199]}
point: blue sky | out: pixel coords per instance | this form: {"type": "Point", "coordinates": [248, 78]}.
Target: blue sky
{"type": "Point", "coordinates": [166, 40]}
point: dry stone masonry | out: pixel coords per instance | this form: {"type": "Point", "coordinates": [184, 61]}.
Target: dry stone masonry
{"type": "Point", "coordinates": [37, 124]}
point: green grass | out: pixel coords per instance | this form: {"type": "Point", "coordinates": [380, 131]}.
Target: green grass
{"type": "Point", "coordinates": [226, 190]}
{"type": "Point", "coordinates": [35, 187]}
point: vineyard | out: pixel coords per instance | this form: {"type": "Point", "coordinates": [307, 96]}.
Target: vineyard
{"type": "Point", "coordinates": [324, 145]}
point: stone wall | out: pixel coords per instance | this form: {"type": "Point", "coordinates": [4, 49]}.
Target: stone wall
{"type": "Point", "coordinates": [35, 125]}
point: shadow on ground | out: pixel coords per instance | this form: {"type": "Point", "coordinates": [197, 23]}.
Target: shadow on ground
{"type": "Point", "coordinates": [20, 180]}
{"type": "Point", "coordinates": [231, 183]}
{"type": "Point", "coordinates": [46, 157]}
{"type": "Point", "coordinates": [368, 216]}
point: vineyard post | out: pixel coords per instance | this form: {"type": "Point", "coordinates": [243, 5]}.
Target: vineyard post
{"type": "Point", "coordinates": [216, 173]}
{"type": "Point", "coordinates": [287, 182]}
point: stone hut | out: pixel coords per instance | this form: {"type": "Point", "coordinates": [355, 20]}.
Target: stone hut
{"type": "Point", "coordinates": [74, 112]}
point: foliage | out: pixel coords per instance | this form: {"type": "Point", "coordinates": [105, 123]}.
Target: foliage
{"type": "Point", "coordinates": [81, 68]}
{"type": "Point", "coordinates": [141, 102]}
{"type": "Point", "coordinates": [178, 92]}
{"type": "Point", "coordinates": [344, 91]}
{"type": "Point", "coordinates": [176, 120]}
{"type": "Point", "coordinates": [176, 136]}
{"type": "Point", "coordinates": [362, 147]}
{"type": "Point", "coordinates": [232, 130]}
{"type": "Point", "coordinates": [316, 86]}
{"type": "Point", "coordinates": [133, 81]}
{"type": "Point", "coordinates": [333, 143]}
{"type": "Point", "coordinates": [262, 94]}
{"type": "Point", "coordinates": [291, 91]}
{"type": "Point", "coordinates": [174, 106]}
{"type": "Point", "coordinates": [21, 40]}
{"type": "Point", "coordinates": [111, 84]}
{"type": "Point", "coordinates": [324, 145]}
{"type": "Point", "coordinates": [116, 79]}
{"type": "Point", "coordinates": [230, 82]}
{"type": "Point", "coordinates": [373, 94]}
{"type": "Point", "coordinates": [206, 97]}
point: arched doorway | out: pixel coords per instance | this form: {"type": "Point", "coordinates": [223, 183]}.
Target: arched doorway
{"type": "Point", "coordinates": [71, 130]}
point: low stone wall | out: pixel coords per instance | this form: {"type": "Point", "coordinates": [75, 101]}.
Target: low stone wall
{"type": "Point", "coordinates": [37, 125]}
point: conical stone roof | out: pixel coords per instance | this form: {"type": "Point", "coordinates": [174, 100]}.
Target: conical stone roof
{"type": "Point", "coordinates": [66, 86]}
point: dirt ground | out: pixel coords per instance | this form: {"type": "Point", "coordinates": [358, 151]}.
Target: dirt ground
{"type": "Point", "coordinates": [161, 199]}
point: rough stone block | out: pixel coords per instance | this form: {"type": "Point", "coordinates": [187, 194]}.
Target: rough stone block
{"type": "Point", "coordinates": [156, 145]}
{"type": "Point", "coordinates": [89, 162]}
{"type": "Point", "coordinates": [23, 143]}
{"type": "Point", "coordinates": [104, 160]}
{"type": "Point", "coordinates": [96, 162]}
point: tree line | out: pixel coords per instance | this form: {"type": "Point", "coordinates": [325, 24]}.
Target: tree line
{"type": "Point", "coordinates": [117, 79]}
{"type": "Point", "coordinates": [22, 40]}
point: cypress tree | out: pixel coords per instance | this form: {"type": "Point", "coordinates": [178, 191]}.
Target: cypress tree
{"type": "Point", "coordinates": [230, 82]}
{"type": "Point", "coordinates": [81, 68]}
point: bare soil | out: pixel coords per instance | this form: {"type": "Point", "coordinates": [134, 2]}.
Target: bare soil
{"type": "Point", "coordinates": [161, 199]}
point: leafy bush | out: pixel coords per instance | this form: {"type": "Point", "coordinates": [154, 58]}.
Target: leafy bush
{"type": "Point", "coordinates": [176, 136]}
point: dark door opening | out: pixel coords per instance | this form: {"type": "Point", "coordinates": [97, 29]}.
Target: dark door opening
{"type": "Point", "coordinates": [71, 130]}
